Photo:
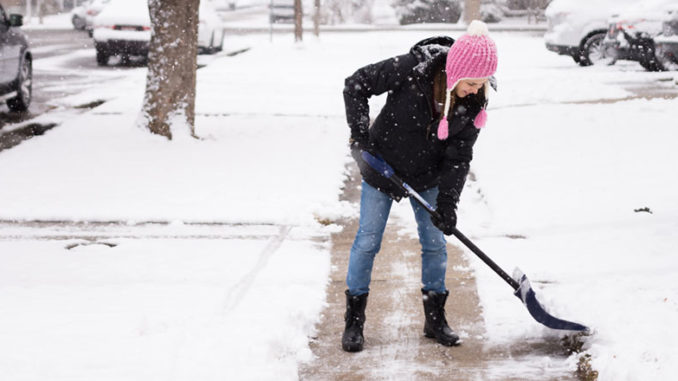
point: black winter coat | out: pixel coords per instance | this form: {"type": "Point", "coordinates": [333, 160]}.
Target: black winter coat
{"type": "Point", "coordinates": [404, 132]}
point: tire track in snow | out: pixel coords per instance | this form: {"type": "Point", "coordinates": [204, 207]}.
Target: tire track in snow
{"type": "Point", "coordinates": [240, 289]}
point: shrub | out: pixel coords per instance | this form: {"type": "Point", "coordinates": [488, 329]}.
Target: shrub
{"type": "Point", "coordinates": [427, 11]}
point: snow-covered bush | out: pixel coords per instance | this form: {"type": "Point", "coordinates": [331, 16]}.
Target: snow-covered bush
{"type": "Point", "coordinates": [342, 11]}
{"type": "Point", "coordinates": [427, 11]}
{"type": "Point", "coordinates": [490, 11]}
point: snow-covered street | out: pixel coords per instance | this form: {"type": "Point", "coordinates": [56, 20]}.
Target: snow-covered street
{"type": "Point", "coordinates": [124, 256]}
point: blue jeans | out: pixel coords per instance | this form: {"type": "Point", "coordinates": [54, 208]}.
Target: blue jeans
{"type": "Point", "coordinates": [375, 207]}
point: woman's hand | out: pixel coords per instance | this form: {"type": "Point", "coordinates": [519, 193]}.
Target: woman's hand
{"type": "Point", "coordinates": [448, 219]}
{"type": "Point", "coordinates": [359, 145]}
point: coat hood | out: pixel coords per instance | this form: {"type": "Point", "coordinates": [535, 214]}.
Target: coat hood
{"type": "Point", "coordinates": [431, 52]}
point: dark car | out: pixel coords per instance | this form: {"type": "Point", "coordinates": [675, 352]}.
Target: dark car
{"type": "Point", "coordinates": [631, 33]}
{"type": "Point", "coordinates": [666, 44]}
{"type": "Point", "coordinates": [15, 63]}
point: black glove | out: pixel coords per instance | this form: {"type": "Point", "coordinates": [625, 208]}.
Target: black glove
{"type": "Point", "coordinates": [448, 218]}
{"type": "Point", "coordinates": [360, 144]}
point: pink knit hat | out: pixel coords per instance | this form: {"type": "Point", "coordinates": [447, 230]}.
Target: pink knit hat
{"type": "Point", "coordinates": [473, 55]}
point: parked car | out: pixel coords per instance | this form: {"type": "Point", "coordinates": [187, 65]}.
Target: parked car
{"type": "Point", "coordinates": [92, 10]}
{"type": "Point", "coordinates": [16, 69]}
{"type": "Point", "coordinates": [79, 16]}
{"type": "Point", "coordinates": [124, 28]}
{"type": "Point", "coordinates": [210, 29]}
{"type": "Point", "coordinates": [666, 44]}
{"type": "Point", "coordinates": [577, 30]}
{"type": "Point", "coordinates": [631, 32]}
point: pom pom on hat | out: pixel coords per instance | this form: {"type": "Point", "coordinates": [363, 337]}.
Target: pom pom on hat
{"type": "Point", "coordinates": [443, 129]}
{"type": "Point", "coordinates": [477, 28]}
{"type": "Point", "coordinates": [480, 119]}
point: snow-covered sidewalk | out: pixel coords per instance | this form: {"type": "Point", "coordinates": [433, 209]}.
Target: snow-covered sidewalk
{"type": "Point", "coordinates": [157, 302]}
{"type": "Point", "coordinates": [557, 178]}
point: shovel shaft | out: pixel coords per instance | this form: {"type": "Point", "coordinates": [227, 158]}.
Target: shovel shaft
{"type": "Point", "coordinates": [467, 242]}
{"type": "Point", "coordinates": [476, 250]}
{"type": "Point", "coordinates": [378, 164]}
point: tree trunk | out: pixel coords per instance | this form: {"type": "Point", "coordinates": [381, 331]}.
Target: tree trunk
{"type": "Point", "coordinates": [471, 10]}
{"type": "Point", "coordinates": [298, 12]}
{"type": "Point", "coordinates": [316, 17]}
{"type": "Point", "coordinates": [169, 102]}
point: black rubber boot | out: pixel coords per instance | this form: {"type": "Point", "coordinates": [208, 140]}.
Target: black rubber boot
{"type": "Point", "coordinates": [352, 340]}
{"type": "Point", "coordinates": [436, 325]}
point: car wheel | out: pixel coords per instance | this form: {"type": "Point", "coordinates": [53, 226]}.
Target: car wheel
{"type": "Point", "coordinates": [666, 62]}
{"type": "Point", "coordinates": [78, 22]}
{"type": "Point", "coordinates": [24, 88]}
{"type": "Point", "coordinates": [211, 49]}
{"type": "Point", "coordinates": [102, 56]}
{"type": "Point", "coordinates": [594, 53]}
{"type": "Point", "coordinates": [651, 64]}
{"type": "Point", "coordinates": [220, 47]}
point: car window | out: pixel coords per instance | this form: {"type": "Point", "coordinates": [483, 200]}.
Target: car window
{"type": "Point", "coordinates": [3, 16]}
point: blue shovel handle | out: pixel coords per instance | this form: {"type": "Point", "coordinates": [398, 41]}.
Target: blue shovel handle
{"type": "Point", "coordinates": [381, 166]}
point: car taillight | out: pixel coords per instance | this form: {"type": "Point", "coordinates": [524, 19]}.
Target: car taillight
{"type": "Point", "coordinates": [137, 28]}
{"type": "Point", "coordinates": [628, 24]}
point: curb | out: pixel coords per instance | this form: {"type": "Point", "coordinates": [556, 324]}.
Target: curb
{"type": "Point", "coordinates": [382, 28]}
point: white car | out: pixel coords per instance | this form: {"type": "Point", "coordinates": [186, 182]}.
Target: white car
{"type": "Point", "coordinates": [78, 17]}
{"type": "Point", "coordinates": [92, 9]}
{"type": "Point", "coordinates": [577, 28]}
{"type": "Point", "coordinates": [124, 28]}
{"type": "Point", "coordinates": [210, 28]}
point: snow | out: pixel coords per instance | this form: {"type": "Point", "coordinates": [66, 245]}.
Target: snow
{"type": "Point", "coordinates": [158, 308]}
{"type": "Point", "coordinates": [217, 263]}
{"type": "Point", "coordinates": [58, 21]}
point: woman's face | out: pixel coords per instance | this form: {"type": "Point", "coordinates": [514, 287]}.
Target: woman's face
{"type": "Point", "coordinates": [469, 86]}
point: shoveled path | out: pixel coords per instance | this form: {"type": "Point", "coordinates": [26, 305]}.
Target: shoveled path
{"type": "Point", "coordinates": [395, 347]}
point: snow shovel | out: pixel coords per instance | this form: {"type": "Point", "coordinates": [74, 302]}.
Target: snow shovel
{"type": "Point", "coordinates": [519, 282]}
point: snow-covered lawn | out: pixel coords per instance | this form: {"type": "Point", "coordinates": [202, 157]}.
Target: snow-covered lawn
{"type": "Point", "coordinates": [553, 169]}
{"type": "Point", "coordinates": [159, 308]}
